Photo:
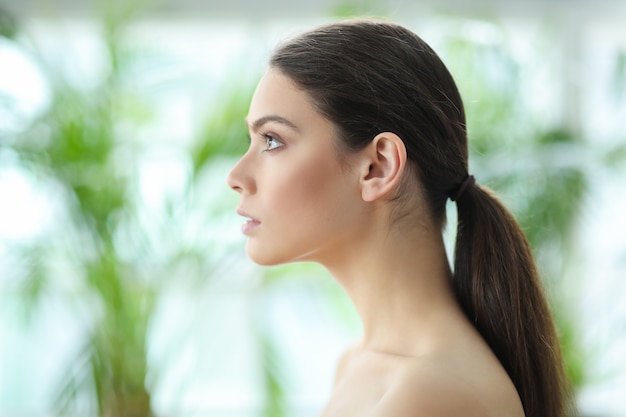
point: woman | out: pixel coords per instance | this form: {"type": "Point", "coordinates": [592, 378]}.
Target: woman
{"type": "Point", "coordinates": [358, 138]}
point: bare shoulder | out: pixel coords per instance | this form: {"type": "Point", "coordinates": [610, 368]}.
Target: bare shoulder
{"type": "Point", "coordinates": [435, 389]}
{"type": "Point", "coordinates": [429, 390]}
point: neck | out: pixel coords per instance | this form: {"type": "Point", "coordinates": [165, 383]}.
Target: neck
{"type": "Point", "coordinates": [400, 284]}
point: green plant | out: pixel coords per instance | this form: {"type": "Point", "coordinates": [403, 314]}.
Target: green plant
{"type": "Point", "coordinates": [73, 147]}
{"type": "Point", "coordinates": [118, 255]}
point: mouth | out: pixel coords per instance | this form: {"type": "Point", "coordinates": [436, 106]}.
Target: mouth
{"type": "Point", "coordinates": [250, 222]}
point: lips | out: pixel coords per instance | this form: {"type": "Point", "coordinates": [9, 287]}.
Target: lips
{"type": "Point", "coordinates": [250, 224]}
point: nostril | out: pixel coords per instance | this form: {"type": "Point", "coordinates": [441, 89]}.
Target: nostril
{"type": "Point", "coordinates": [233, 185]}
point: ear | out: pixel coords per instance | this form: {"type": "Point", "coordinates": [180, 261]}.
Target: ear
{"type": "Point", "coordinates": [383, 163]}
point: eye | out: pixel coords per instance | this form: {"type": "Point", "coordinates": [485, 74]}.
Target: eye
{"type": "Point", "coordinates": [272, 143]}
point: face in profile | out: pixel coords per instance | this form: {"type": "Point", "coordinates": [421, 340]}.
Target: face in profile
{"type": "Point", "coordinates": [299, 200]}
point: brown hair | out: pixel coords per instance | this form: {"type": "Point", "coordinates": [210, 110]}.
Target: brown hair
{"type": "Point", "coordinates": [369, 77]}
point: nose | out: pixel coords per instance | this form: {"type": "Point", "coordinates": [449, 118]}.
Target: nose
{"type": "Point", "coordinates": [239, 178]}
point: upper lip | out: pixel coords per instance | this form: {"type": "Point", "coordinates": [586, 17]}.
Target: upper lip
{"type": "Point", "coordinates": [242, 213]}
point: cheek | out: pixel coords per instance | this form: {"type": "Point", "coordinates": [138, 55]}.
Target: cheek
{"type": "Point", "coordinates": [318, 204]}
{"type": "Point", "coordinates": [312, 188]}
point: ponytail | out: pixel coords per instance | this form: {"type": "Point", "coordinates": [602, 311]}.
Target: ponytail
{"type": "Point", "coordinates": [498, 287]}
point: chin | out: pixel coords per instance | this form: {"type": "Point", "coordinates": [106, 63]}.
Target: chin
{"type": "Point", "coordinates": [264, 259]}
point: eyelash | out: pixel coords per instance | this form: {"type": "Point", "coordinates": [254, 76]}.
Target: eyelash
{"type": "Point", "coordinates": [267, 138]}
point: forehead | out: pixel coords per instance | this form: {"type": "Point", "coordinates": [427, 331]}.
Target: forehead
{"type": "Point", "coordinates": [277, 94]}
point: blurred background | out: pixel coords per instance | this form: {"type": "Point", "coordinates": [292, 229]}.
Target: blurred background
{"type": "Point", "coordinates": [124, 287]}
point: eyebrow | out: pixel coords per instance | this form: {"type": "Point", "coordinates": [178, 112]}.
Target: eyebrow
{"type": "Point", "coordinates": [270, 118]}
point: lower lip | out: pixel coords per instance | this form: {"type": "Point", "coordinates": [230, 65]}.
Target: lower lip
{"type": "Point", "coordinates": [248, 226]}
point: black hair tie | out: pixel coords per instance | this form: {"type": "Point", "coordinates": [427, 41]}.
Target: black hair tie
{"type": "Point", "coordinates": [467, 183]}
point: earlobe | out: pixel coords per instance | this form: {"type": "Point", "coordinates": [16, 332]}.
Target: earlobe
{"type": "Point", "coordinates": [386, 159]}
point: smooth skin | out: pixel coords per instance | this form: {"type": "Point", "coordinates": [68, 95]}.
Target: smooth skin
{"type": "Point", "coordinates": [307, 201]}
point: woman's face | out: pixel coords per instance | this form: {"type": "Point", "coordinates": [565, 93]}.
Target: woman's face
{"type": "Point", "coordinates": [301, 203]}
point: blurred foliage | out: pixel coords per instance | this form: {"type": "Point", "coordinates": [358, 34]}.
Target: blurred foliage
{"type": "Point", "coordinates": [619, 77]}
{"type": "Point", "coordinates": [87, 146]}
{"type": "Point", "coordinates": [8, 25]}
{"type": "Point", "coordinates": [348, 9]}
{"type": "Point", "coordinates": [115, 254]}
{"type": "Point", "coordinates": [223, 134]}
{"type": "Point", "coordinates": [72, 148]}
